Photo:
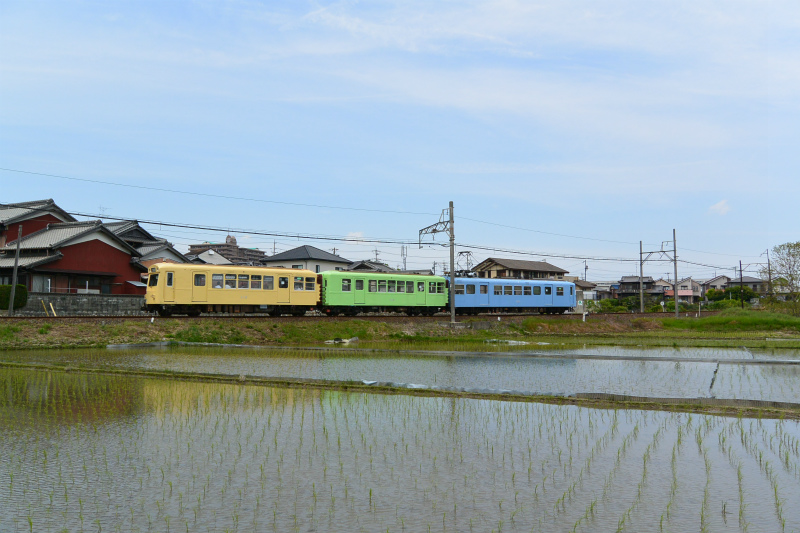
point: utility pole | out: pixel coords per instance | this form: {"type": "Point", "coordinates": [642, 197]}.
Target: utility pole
{"type": "Point", "coordinates": [446, 223]}
{"type": "Point", "coordinates": [741, 284]}
{"type": "Point", "coordinates": [675, 262]}
{"type": "Point", "coordinates": [376, 254]}
{"type": "Point", "coordinates": [585, 269]}
{"type": "Point", "coordinates": [769, 272]}
{"type": "Point", "coordinates": [404, 254]}
{"type": "Point", "coordinates": [14, 275]}
{"type": "Point", "coordinates": [641, 283]}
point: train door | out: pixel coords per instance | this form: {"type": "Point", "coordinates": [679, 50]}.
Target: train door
{"type": "Point", "coordinates": [169, 287]}
{"type": "Point", "coordinates": [420, 293]}
{"type": "Point", "coordinates": [283, 290]}
{"type": "Point", "coordinates": [548, 295]}
{"type": "Point", "coordinates": [483, 295]}
{"type": "Point", "coordinates": [360, 298]}
{"type": "Point", "coordinates": [199, 285]}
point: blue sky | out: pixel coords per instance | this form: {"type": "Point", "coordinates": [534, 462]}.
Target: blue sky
{"type": "Point", "coordinates": [604, 122]}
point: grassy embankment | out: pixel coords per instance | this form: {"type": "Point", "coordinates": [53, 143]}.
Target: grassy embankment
{"type": "Point", "coordinates": [729, 328]}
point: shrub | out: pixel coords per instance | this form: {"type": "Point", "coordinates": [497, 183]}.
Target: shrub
{"type": "Point", "coordinates": [20, 296]}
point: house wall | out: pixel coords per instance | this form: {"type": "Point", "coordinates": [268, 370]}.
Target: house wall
{"type": "Point", "coordinates": [28, 226]}
{"type": "Point", "coordinates": [308, 264]}
{"type": "Point", "coordinates": [83, 304]}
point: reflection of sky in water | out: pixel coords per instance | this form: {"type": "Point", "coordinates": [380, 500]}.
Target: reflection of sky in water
{"type": "Point", "coordinates": [657, 378]}
{"type": "Point", "coordinates": [94, 453]}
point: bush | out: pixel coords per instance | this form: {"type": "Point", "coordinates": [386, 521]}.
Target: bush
{"type": "Point", "coordinates": [20, 296]}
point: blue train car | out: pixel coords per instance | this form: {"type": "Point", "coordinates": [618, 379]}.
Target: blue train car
{"type": "Point", "coordinates": [483, 295]}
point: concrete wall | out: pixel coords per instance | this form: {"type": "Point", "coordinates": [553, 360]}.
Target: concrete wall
{"type": "Point", "coordinates": [83, 304]}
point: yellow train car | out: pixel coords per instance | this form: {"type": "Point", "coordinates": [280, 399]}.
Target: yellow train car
{"type": "Point", "coordinates": [193, 289]}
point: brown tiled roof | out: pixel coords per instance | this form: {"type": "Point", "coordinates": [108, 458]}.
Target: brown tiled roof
{"type": "Point", "coordinates": [519, 264]}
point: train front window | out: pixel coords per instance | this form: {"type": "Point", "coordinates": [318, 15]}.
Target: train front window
{"type": "Point", "coordinates": [244, 281]}
{"type": "Point", "coordinates": [310, 284]}
{"type": "Point", "coordinates": [153, 281]}
{"type": "Point", "coordinates": [230, 281]}
{"type": "Point", "coordinates": [199, 280]}
{"type": "Point", "coordinates": [570, 291]}
{"type": "Point", "coordinates": [346, 283]}
{"type": "Point", "coordinates": [216, 281]}
{"type": "Point", "coordinates": [255, 282]}
{"type": "Point", "coordinates": [298, 283]}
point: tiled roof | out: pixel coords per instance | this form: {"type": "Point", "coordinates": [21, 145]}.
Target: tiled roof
{"type": "Point", "coordinates": [55, 235]}
{"type": "Point", "coordinates": [158, 245]}
{"type": "Point", "coordinates": [518, 264]}
{"type": "Point", "coordinates": [306, 252]}
{"type": "Point", "coordinates": [746, 279]}
{"type": "Point", "coordinates": [635, 279]}
{"type": "Point", "coordinates": [28, 261]}
{"type": "Point", "coordinates": [21, 210]}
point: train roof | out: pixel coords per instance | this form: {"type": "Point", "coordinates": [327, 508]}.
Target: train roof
{"type": "Point", "coordinates": [512, 281]}
{"type": "Point", "coordinates": [232, 268]}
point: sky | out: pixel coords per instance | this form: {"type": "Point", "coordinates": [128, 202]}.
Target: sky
{"type": "Point", "coordinates": [562, 131]}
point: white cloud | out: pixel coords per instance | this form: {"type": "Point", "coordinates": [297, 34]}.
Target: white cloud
{"type": "Point", "coordinates": [720, 208]}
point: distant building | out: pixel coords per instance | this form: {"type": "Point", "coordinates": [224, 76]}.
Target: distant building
{"type": "Point", "coordinates": [374, 266]}
{"type": "Point", "coordinates": [231, 251]}
{"type": "Point", "coordinates": [758, 285]}
{"type": "Point", "coordinates": [307, 257]}
{"type": "Point", "coordinates": [494, 267]}
{"type": "Point", "coordinates": [209, 257]}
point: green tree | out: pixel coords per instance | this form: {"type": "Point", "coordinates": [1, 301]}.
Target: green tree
{"type": "Point", "coordinates": [20, 296]}
{"type": "Point", "coordinates": [785, 266]}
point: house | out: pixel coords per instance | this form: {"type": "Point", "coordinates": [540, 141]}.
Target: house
{"type": "Point", "coordinates": [209, 257]}
{"type": "Point", "coordinates": [494, 267]}
{"type": "Point", "coordinates": [152, 249]}
{"type": "Point", "coordinates": [374, 266]}
{"type": "Point", "coordinates": [74, 257]}
{"type": "Point", "coordinates": [603, 289]}
{"type": "Point", "coordinates": [308, 257]}
{"type": "Point", "coordinates": [629, 286]}
{"type": "Point", "coordinates": [32, 216]}
{"type": "Point", "coordinates": [689, 291]}
{"type": "Point", "coordinates": [231, 251]}
{"type": "Point", "coordinates": [717, 283]}
{"type": "Point", "coordinates": [758, 285]}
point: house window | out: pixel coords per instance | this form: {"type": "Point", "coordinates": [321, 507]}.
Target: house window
{"type": "Point", "coordinates": [484, 289]}
{"type": "Point", "coordinates": [169, 279]}
{"type": "Point", "coordinates": [269, 283]}
{"type": "Point", "coordinates": [517, 290]}
{"type": "Point", "coordinates": [216, 281]}
{"type": "Point", "coordinates": [310, 284]}
{"type": "Point", "coordinates": [559, 291]}
{"type": "Point", "coordinates": [508, 290]}
{"type": "Point", "coordinates": [230, 281]}
{"type": "Point", "coordinates": [244, 281]}
{"type": "Point", "coordinates": [470, 289]}
{"type": "Point", "coordinates": [255, 282]}
{"type": "Point", "coordinates": [359, 284]}
{"type": "Point", "coordinates": [526, 290]}
{"type": "Point", "coordinates": [373, 285]}
{"type": "Point", "coordinates": [459, 289]}
{"type": "Point", "coordinates": [298, 283]}
{"type": "Point", "coordinates": [548, 290]}
{"type": "Point", "coordinates": [498, 290]}
{"type": "Point", "coordinates": [346, 285]}
{"type": "Point", "coordinates": [283, 283]}
{"type": "Point", "coordinates": [199, 280]}
{"type": "Point", "coordinates": [297, 266]}
{"type": "Point", "coordinates": [317, 269]}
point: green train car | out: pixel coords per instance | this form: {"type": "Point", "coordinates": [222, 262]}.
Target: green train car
{"type": "Point", "coordinates": [350, 293]}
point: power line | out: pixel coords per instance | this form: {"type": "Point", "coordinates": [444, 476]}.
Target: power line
{"type": "Point", "coordinates": [543, 232]}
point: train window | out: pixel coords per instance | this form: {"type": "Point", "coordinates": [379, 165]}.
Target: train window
{"type": "Point", "coordinates": [432, 287]}
{"type": "Point", "coordinates": [526, 290]}
{"type": "Point", "coordinates": [255, 282]}
{"type": "Point", "coordinates": [470, 289]}
{"type": "Point", "coordinates": [508, 290]}
{"type": "Point", "coordinates": [216, 281]}
{"type": "Point", "coordinates": [269, 283]}
{"type": "Point", "coordinates": [283, 283]}
{"type": "Point", "coordinates": [244, 281]}
{"type": "Point", "coordinates": [459, 289]}
{"type": "Point", "coordinates": [570, 290]}
{"type": "Point", "coordinates": [153, 281]}
{"type": "Point", "coordinates": [346, 285]}
{"type": "Point", "coordinates": [401, 286]}
{"type": "Point", "coordinates": [484, 289]}
{"type": "Point", "coordinates": [517, 290]}
{"type": "Point", "coordinates": [548, 290]}
{"type": "Point", "coordinates": [498, 290]}
{"type": "Point", "coordinates": [559, 291]}
{"type": "Point", "coordinates": [440, 287]}
{"type": "Point", "coordinates": [381, 285]}
{"type": "Point", "coordinates": [392, 284]}
{"type": "Point", "coordinates": [359, 284]}
{"type": "Point", "coordinates": [373, 285]}
{"type": "Point", "coordinates": [170, 277]}
{"type": "Point", "coordinates": [298, 283]}
{"type": "Point", "coordinates": [420, 286]}
{"type": "Point", "coordinates": [409, 286]}
{"type": "Point", "coordinates": [230, 281]}
{"type": "Point", "coordinates": [310, 284]}
{"type": "Point", "coordinates": [537, 291]}
{"type": "Point", "coordinates": [199, 280]}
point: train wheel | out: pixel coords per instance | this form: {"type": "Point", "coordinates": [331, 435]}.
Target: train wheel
{"type": "Point", "coordinates": [164, 312]}
{"type": "Point", "coordinates": [275, 312]}
{"type": "Point", "coordinates": [193, 312]}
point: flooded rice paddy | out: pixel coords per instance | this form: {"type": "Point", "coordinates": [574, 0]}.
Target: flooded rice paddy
{"type": "Point", "coordinates": [113, 453]}
{"type": "Point", "coordinates": [771, 375]}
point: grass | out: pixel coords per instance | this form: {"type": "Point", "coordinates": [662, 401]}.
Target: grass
{"type": "Point", "coordinates": [737, 320]}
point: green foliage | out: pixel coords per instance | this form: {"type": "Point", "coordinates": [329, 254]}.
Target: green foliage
{"type": "Point", "coordinates": [609, 305]}
{"type": "Point", "coordinates": [204, 333]}
{"type": "Point", "coordinates": [737, 320]}
{"type": "Point", "coordinates": [20, 296]}
{"type": "Point", "coordinates": [45, 329]}
{"type": "Point", "coordinates": [8, 332]}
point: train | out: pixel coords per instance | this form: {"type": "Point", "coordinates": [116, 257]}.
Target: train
{"type": "Point", "coordinates": [195, 289]}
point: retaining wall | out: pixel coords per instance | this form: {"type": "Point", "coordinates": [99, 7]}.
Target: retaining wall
{"type": "Point", "coordinates": [83, 304]}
